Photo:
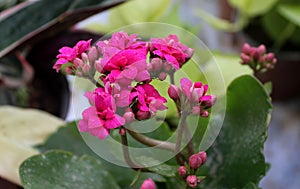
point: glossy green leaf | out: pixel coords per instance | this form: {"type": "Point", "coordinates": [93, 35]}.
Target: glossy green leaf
{"type": "Point", "coordinates": [68, 138]}
{"type": "Point", "coordinates": [253, 7]}
{"type": "Point", "coordinates": [291, 13]}
{"type": "Point", "coordinates": [63, 170]}
{"type": "Point", "coordinates": [236, 158]}
{"type": "Point", "coordinates": [39, 19]}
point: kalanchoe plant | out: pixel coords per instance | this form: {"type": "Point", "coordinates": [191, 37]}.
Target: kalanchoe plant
{"type": "Point", "coordinates": [124, 92]}
{"type": "Point", "coordinates": [126, 73]}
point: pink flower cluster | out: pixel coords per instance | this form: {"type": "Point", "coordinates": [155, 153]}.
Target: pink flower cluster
{"type": "Point", "coordinates": [125, 93]}
{"type": "Point", "coordinates": [192, 97]}
{"type": "Point", "coordinates": [195, 161]}
{"type": "Point", "coordinates": [257, 58]}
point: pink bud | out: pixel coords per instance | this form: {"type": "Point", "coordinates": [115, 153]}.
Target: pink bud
{"type": "Point", "coordinates": [255, 54]}
{"type": "Point", "coordinates": [182, 171]}
{"type": "Point", "coordinates": [208, 101]}
{"type": "Point", "coordinates": [192, 181]}
{"type": "Point", "coordinates": [269, 57]}
{"type": "Point", "coordinates": [246, 49]}
{"type": "Point", "coordinates": [167, 67]}
{"type": "Point", "coordinates": [162, 76]}
{"type": "Point", "coordinates": [78, 63]}
{"type": "Point", "coordinates": [156, 64]}
{"type": "Point", "coordinates": [195, 161]}
{"type": "Point", "coordinates": [93, 55]}
{"type": "Point", "coordinates": [204, 113]}
{"type": "Point", "coordinates": [189, 52]}
{"type": "Point", "coordinates": [84, 57]}
{"type": "Point", "coordinates": [245, 58]}
{"type": "Point", "coordinates": [261, 49]}
{"type": "Point", "coordinates": [203, 156]}
{"type": "Point", "coordinates": [148, 184]}
{"type": "Point", "coordinates": [174, 92]}
{"type": "Point", "coordinates": [122, 131]}
{"type": "Point", "coordinates": [128, 116]}
{"type": "Point", "coordinates": [142, 115]}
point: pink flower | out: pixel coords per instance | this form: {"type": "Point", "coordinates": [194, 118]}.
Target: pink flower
{"type": "Point", "coordinates": [121, 41]}
{"type": "Point", "coordinates": [192, 181]}
{"type": "Point", "coordinates": [148, 101]}
{"type": "Point", "coordinates": [193, 96]}
{"type": "Point", "coordinates": [171, 50]}
{"type": "Point", "coordinates": [68, 54]}
{"type": "Point", "coordinates": [148, 184]}
{"type": "Point", "coordinates": [100, 118]}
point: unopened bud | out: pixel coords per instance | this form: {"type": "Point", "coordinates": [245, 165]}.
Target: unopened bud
{"type": "Point", "coordinates": [128, 116]}
{"type": "Point", "coordinates": [156, 64]}
{"type": "Point", "coordinates": [196, 110]}
{"type": "Point", "coordinates": [142, 115]}
{"type": "Point", "coordinates": [84, 57]}
{"type": "Point", "coordinates": [203, 156]}
{"type": "Point", "coordinates": [195, 161]}
{"type": "Point", "coordinates": [182, 171]}
{"type": "Point", "coordinates": [204, 113]}
{"type": "Point", "coordinates": [261, 49]}
{"type": "Point", "coordinates": [245, 58]}
{"type": "Point", "coordinates": [246, 49]}
{"type": "Point", "coordinates": [148, 184]}
{"type": "Point", "coordinates": [189, 52]}
{"type": "Point", "coordinates": [192, 181]}
{"type": "Point", "coordinates": [167, 66]}
{"type": "Point", "coordinates": [162, 76]}
{"type": "Point", "coordinates": [269, 57]}
{"type": "Point", "coordinates": [93, 55]}
{"type": "Point", "coordinates": [174, 92]}
{"type": "Point", "coordinates": [122, 131]}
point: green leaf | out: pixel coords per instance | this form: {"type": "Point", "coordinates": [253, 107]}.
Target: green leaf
{"type": "Point", "coordinates": [63, 170]}
{"type": "Point", "coordinates": [253, 7]}
{"type": "Point", "coordinates": [68, 138]}
{"type": "Point", "coordinates": [291, 13]}
{"type": "Point", "coordinates": [161, 169]}
{"type": "Point", "coordinates": [20, 131]}
{"type": "Point", "coordinates": [236, 158]}
{"type": "Point", "coordinates": [39, 19]}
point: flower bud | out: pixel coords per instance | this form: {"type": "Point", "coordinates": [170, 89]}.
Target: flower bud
{"type": "Point", "coordinates": [203, 156]}
{"type": "Point", "coordinates": [128, 116]}
{"type": "Point", "coordinates": [245, 58]}
{"type": "Point", "coordinates": [189, 52]}
{"type": "Point", "coordinates": [93, 55]}
{"type": "Point", "coordinates": [174, 92]}
{"type": "Point", "coordinates": [195, 161]}
{"type": "Point", "coordinates": [148, 184]}
{"type": "Point", "coordinates": [156, 64]}
{"type": "Point", "coordinates": [167, 66]}
{"type": "Point", "coordinates": [122, 131]}
{"type": "Point", "coordinates": [182, 171]}
{"type": "Point", "coordinates": [261, 49]}
{"type": "Point", "coordinates": [246, 49]}
{"type": "Point", "coordinates": [162, 76]}
{"type": "Point", "coordinates": [204, 113]}
{"type": "Point", "coordinates": [269, 57]}
{"type": "Point", "coordinates": [192, 181]}
{"type": "Point", "coordinates": [142, 115]}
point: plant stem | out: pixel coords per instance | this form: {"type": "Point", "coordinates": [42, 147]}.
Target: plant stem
{"type": "Point", "coordinates": [189, 140]}
{"type": "Point", "coordinates": [172, 78]}
{"type": "Point", "coordinates": [93, 81]}
{"type": "Point", "coordinates": [152, 142]}
{"type": "Point", "coordinates": [126, 154]}
{"type": "Point", "coordinates": [179, 137]}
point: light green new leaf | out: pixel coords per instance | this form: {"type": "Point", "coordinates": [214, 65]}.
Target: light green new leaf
{"type": "Point", "coordinates": [63, 170]}
{"type": "Point", "coordinates": [236, 158]}
{"type": "Point", "coordinates": [291, 13]}
{"type": "Point", "coordinates": [253, 7]}
{"type": "Point", "coordinates": [20, 130]}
